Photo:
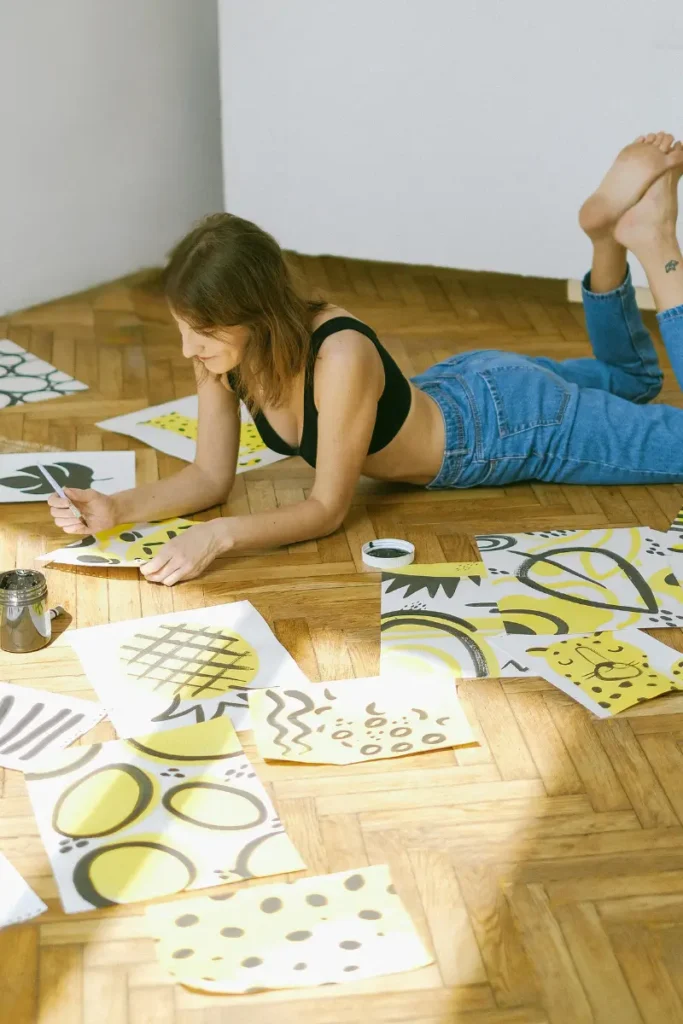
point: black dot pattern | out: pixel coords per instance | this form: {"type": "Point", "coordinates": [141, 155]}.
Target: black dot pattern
{"type": "Point", "coordinates": [185, 920]}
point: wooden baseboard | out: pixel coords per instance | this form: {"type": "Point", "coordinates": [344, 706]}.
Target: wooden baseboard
{"type": "Point", "coordinates": [643, 295]}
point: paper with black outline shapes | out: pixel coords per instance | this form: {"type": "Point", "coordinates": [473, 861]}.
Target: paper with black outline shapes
{"type": "Point", "coordinates": [607, 671]}
{"type": "Point", "coordinates": [323, 930]}
{"type": "Point", "coordinates": [172, 428]}
{"type": "Point", "coordinates": [186, 667]}
{"type": "Point", "coordinates": [24, 378]}
{"type": "Point", "coordinates": [127, 546]}
{"type": "Point", "coordinates": [21, 478]}
{"type": "Point", "coordinates": [437, 620]}
{"type": "Point", "coordinates": [153, 815]}
{"type": "Point", "coordinates": [674, 542]}
{"type": "Point", "coordinates": [356, 720]}
{"type": "Point", "coordinates": [576, 581]}
{"type": "Point", "coordinates": [36, 722]}
{"type": "Point", "coordinates": [18, 902]}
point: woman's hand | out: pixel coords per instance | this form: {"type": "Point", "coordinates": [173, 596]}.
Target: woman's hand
{"type": "Point", "coordinates": [98, 511]}
{"type": "Point", "coordinates": [187, 556]}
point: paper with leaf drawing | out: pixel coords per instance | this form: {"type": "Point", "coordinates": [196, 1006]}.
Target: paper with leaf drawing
{"type": "Point", "coordinates": [135, 819]}
{"type": "Point", "coordinates": [314, 931]}
{"type": "Point", "coordinates": [18, 902]}
{"type": "Point", "coordinates": [357, 720]}
{"type": "Point", "coordinates": [21, 478]}
{"type": "Point", "coordinates": [437, 621]}
{"type": "Point", "coordinates": [36, 722]}
{"type": "Point", "coordinates": [127, 546]}
{"type": "Point", "coordinates": [607, 671]}
{"type": "Point", "coordinates": [576, 581]}
{"type": "Point", "coordinates": [172, 428]}
{"type": "Point", "coordinates": [169, 670]}
{"type": "Point", "coordinates": [26, 378]}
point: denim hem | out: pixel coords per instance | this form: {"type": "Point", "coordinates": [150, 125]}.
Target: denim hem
{"type": "Point", "coordinates": [670, 314]}
{"type": "Point", "coordinates": [624, 287]}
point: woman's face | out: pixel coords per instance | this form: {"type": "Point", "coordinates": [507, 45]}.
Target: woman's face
{"type": "Point", "coordinates": [219, 352]}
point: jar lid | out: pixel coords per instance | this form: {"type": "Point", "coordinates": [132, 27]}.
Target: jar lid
{"type": "Point", "coordinates": [388, 553]}
{"type": "Point", "coordinates": [22, 586]}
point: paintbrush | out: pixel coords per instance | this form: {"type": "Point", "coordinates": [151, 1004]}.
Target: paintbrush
{"type": "Point", "coordinates": [58, 490]}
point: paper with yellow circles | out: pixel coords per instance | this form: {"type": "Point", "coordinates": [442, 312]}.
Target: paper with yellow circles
{"type": "Point", "coordinates": [314, 931]}
{"type": "Point", "coordinates": [607, 672]}
{"type": "Point", "coordinates": [575, 581]}
{"type": "Point", "coordinates": [357, 720]}
{"type": "Point", "coordinates": [185, 667]}
{"type": "Point", "coordinates": [437, 621]}
{"type": "Point", "coordinates": [123, 547]}
{"type": "Point", "coordinates": [172, 428]}
{"type": "Point", "coordinates": [146, 817]}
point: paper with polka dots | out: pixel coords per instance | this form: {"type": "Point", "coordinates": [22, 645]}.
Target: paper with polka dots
{"type": "Point", "coordinates": [575, 581]}
{"type": "Point", "coordinates": [172, 428]}
{"type": "Point", "coordinates": [127, 546]}
{"type": "Point", "coordinates": [607, 672]}
{"type": "Point", "coordinates": [357, 720]}
{"type": "Point", "coordinates": [315, 931]}
{"type": "Point", "coordinates": [186, 667]}
{"type": "Point", "coordinates": [136, 819]}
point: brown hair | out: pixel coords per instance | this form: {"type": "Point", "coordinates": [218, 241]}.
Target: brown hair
{"type": "Point", "coordinates": [228, 272]}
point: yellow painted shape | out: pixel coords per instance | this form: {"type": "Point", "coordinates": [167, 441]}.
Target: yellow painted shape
{"type": "Point", "coordinates": [209, 803]}
{"type": "Point", "coordinates": [357, 720]}
{"type": "Point", "coordinates": [189, 660]}
{"type": "Point", "coordinates": [425, 649]}
{"type": "Point", "coordinates": [325, 929]}
{"type": "Point", "coordinates": [613, 673]}
{"type": "Point", "coordinates": [446, 569]}
{"type": "Point", "coordinates": [215, 740]}
{"type": "Point", "coordinates": [130, 871]}
{"type": "Point", "coordinates": [175, 423]}
{"type": "Point", "coordinates": [535, 611]}
{"type": "Point", "coordinates": [106, 800]}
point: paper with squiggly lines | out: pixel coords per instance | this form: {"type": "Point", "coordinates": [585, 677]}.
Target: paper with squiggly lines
{"type": "Point", "coordinates": [127, 546]}
{"type": "Point", "coordinates": [437, 621]}
{"type": "Point", "coordinates": [164, 671]}
{"type": "Point", "coordinates": [607, 672]}
{"type": "Point", "coordinates": [357, 720]}
{"type": "Point", "coordinates": [36, 722]}
{"type": "Point", "coordinates": [172, 428]}
{"type": "Point", "coordinates": [135, 819]}
{"type": "Point", "coordinates": [577, 581]}
{"type": "Point", "coordinates": [314, 931]}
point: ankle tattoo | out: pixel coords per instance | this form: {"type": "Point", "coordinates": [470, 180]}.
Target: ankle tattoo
{"type": "Point", "coordinates": [671, 265]}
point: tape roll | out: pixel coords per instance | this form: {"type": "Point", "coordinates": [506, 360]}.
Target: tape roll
{"type": "Point", "coordinates": [388, 553]}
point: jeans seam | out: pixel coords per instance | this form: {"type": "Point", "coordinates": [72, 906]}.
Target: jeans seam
{"type": "Point", "coordinates": [670, 314]}
{"type": "Point", "coordinates": [592, 462]}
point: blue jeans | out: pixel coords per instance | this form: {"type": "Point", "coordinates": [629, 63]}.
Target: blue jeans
{"type": "Point", "coordinates": [582, 421]}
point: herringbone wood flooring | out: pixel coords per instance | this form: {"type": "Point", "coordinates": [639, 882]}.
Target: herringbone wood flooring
{"type": "Point", "coordinates": [544, 867]}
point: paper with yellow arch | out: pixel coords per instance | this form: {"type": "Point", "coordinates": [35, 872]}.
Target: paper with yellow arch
{"type": "Point", "coordinates": [125, 547]}
{"type": "Point", "coordinates": [314, 931]}
{"type": "Point", "coordinates": [172, 428]}
{"type": "Point", "coordinates": [136, 819]}
{"type": "Point", "coordinates": [571, 581]}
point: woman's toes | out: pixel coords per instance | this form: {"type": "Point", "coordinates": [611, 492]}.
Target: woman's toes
{"type": "Point", "coordinates": [641, 138]}
{"type": "Point", "coordinates": [666, 142]}
{"type": "Point", "coordinates": [650, 137]}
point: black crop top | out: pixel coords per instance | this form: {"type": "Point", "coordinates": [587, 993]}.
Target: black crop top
{"type": "Point", "coordinates": [392, 408]}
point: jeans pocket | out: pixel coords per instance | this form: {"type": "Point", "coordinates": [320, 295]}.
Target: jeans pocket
{"type": "Point", "coordinates": [526, 397]}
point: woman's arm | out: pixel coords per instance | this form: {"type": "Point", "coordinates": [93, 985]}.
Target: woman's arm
{"type": "Point", "coordinates": [349, 380]}
{"type": "Point", "coordinates": [205, 482]}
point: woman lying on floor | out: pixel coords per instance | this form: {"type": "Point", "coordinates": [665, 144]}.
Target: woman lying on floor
{"type": "Point", "coordinates": [322, 386]}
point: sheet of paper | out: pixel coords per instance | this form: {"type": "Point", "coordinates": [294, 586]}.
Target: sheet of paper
{"type": "Point", "coordinates": [172, 428]}
{"type": "Point", "coordinates": [127, 546]}
{"type": "Point", "coordinates": [576, 581]}
{"type": "Point", "coordinates": [25, 378]}
{"type": "Point", "coordinates": [437, 620]}
{"type": "Point", "coordinates": [357, 720]}
{"type": "Point", "coordinates": [18, 902]}
{"type": "Point", "coordinates": [314, 931]}
{"type": "Point", "coordinates": [674, 543]}
{"type": "Point", "coordinates": [36, 722]}
{"type": "Point", "coordinates": [607, 671]}
{"type": "Point", "coordinates": [140, 818]}
{"type": "Point", "coordinates": [169, 670]}
{"type": "Point", "coordinates": [21, 478]}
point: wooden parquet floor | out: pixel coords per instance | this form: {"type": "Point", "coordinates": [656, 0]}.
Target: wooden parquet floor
{"type": "Point", "coordinates": [544, 867]}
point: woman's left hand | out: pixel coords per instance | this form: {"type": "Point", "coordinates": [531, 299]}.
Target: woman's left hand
{"type": "Point", "coordinates": [185, 557]}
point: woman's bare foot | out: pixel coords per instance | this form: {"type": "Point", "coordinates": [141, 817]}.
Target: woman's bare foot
{"type": "Point", "coordinates": [628, 179]}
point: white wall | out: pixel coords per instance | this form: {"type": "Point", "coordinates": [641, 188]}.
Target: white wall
{"type": "Point", "coordinates": [109, 138]}
{"type": "Point", "coordinates": [462, 133]}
